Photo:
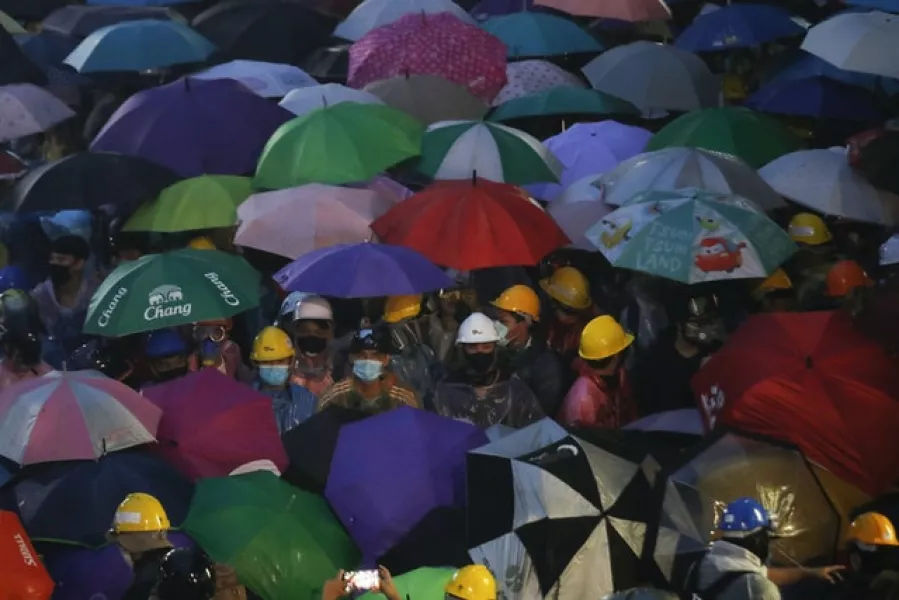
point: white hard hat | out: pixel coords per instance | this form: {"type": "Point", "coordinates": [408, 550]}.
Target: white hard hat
{"type": "Point", "coordinates": [478, 328]}
{"type": "Point", "coordinates": [889, 251]}
{"type": "Point", "coordinates": [313, 308]}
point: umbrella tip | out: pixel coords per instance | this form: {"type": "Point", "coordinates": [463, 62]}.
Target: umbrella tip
{"type": "Point", "coordinates": [474, 177]}
{"type": "Point", "coordinates": [809, 364]}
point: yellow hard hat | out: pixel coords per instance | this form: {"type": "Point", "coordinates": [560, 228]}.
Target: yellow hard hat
{"type": "Point", "coordinates": [140, 513]}
{"type": "Point", "coordinates": [603, 337]}
{"type": "Point", "coordinates": [201, 243]}
{"type": "Point", "coordinates": [473, 582]}
{"type": "Point", "coordinates": [779, 280]}
{"type": "Point", "coordinates": [402, 307]}
{"type": "Point", "coordinates": [272, 344]}
{"type": "Point", "coordinates": [519, 299]}
{"type": "Point", "coordinates": [568, 286]}
{"type": "Point", "coordinates": [809, 229]}
{"type": "Point", "coordinates": [873, 529]}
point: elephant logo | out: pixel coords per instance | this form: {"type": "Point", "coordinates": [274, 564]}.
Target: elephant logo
{"type": "Point", "coordinates": [166, 301]}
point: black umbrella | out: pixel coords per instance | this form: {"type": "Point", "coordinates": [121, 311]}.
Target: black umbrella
{"type": "Point", "coordinates": [30, 10]}
{"type": "Point", "coordinates": [81, 21]}
{"type": "Point", "coordinates": [15, 67]}
{"type": "Point", "coordinates": [268, 30]}
{"type": "Point", "coordinates": [330, 64]}
{"type": "Point", "coordinates": [88, 181]}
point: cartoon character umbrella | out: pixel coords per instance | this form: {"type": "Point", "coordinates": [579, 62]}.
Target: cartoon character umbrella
{"type": "Point", "coordinates": [21, 571]}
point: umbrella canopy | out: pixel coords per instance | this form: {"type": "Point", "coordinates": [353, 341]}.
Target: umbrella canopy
{"type": "Point", "coordinates": [15, 67]}
{"type": "Point", "coordinates": [371, 14]}
{"type": "Point", "coordinates": [640, 10]}
{"type": "Point", "coordinates": [577, 209]}
{"type": "Point", "coordinates": [799, 64]}
{"type": "Point", "coordinates": [389, 471]}
{"type": "Point", "coordinates": [817, 97]}
{"type": "Point", "coordinates": [199, 127]}
{"type": "Point", "coordinates": [814, 381]}
{"type": "Point", "coordinates": [738, 26]}
{"type": "Point", "coordinates": [364, 270]}
{"type": "Point", "coordinates": [468, 225]}
{"type": "Point", "coordinates": [80, 21]}
{"type": "Point", "coordinates": [529, 34]}
{"type": "Point", "coordinates": [557, 516]}
{"type": "Point", "coordinates": [438, 44]}
{"type": "Point", "coordinates": [213, 424]}
{"type": "Point", "coordinates": [203, 202]}
{"type": "Point", "coordinates": [676, 168]}
{"type": "Point", "coordinates": [332, 215]}
{"type": "Point", "coordinates": [530, 77]}
{"type": "Point", "coordinates": [654, 77]}
{"type": "Point", "coordinates": [139, 46]}
{"type": "Point", "coordinates": [304, 100]}
{"type": "Point", "coordinates": [99, 414]}
{"type": "Point", "coordinates": [26, 109]}
{"type": "Point", "coordinates": [48, 498]}
{"type": "Point", "coordinates": [24, 575]}
{"type": "Point", "coordinates": [428, 98]}
{"type": "Point", "coordinates": [684, 420]}
{"type": "Point", "coordinates": [282, 542]}
{"type": "Point", "coordinates": [753, 137]}
{"type": "Point", "coordinates": [692, 236]}
{"type": "Point", "coordinates": [269, 80]}
{"type": "Point", "coordinates": [48, 49]}
{"type": "Point", "coordinates": [171, 289]}
{"type": "Point", "coordinates": [857, 42]}
{"type": "Point", "coordinates": [563, 101]}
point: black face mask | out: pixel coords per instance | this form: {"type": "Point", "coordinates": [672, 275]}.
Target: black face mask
{"type": "Point", "coordinates": [59, 274]}
{"type": "Point", "coordinates": [311, 344]}
{"type": "Point", "coordinates": [480, 364]}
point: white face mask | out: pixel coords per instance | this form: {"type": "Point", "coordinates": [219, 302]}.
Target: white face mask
{"type": "Point", "coordinates": [503, 332]}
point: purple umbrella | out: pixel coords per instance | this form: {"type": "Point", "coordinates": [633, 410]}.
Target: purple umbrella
{"type": "Point", "coordinates": [389, 471]}
{"type": "Point", "coordinates": [194, 126]}
{"type": "Point", "coordinates": [365, 270]}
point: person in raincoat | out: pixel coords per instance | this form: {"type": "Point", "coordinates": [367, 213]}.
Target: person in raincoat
{"type": "Point", "coordinates": [810, 265]}
{"type": "Point", "coordinates": [572, 309]}
{"type": "Point", "coordinates": [452, 307]}
{"type": "Point", "coordinates": [873, 552]}
{"type": "Point", "coordinates": [310, 322]}
{"type": "Point", "coordinates": [413, 360]}
{"type": "Point", "coordinates": [216, 350]}
{"type": "Point", "coordinates": [273, 355]}
{"type": "Point", "coordinates": [166, 355]}
{"type": "Point", "coordinates": [140, 528]}
{"type": "Point", "coordinates": [602, 395]}
{"type": "Point", "coordinates": [20, 338]}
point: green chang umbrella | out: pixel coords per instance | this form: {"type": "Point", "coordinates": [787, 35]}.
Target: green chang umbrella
{"type": "Point", "coordinates": [203, 202]}
{"type": "Point", "coordinates": [344, 143]}
{"type": "Point", "coordinates": [692, 236]}
{"type": "Point", "coordinates": [424, 583]}
{"type": "Point", "coordinates": [754, 137]}
{"type": "Point", "coordinates": [283, 542]}
{"type": "Point", "coordinates": [563, 101]}
{"type": "Point", "coordinates": [170, 289]}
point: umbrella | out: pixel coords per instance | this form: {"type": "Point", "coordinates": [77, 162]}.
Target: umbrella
{"type": "Point", "coordinates": [431, 45]}
{"type": "Point", "coordinates": [213, 424]}
{"type": "Point", "coordinates": [345, 143]}
{"type": "Point", "coordinates": [269, 80]}
{"type": "Point", "coordinates": [9, 24]}
{"type": "Point", "coordinates": [529, 34]}
{"type": "Point", "coordinates": [464, 149]}
{"type": "Point", "coordinates": [74, 501]}
{"type": "Point", "coordinates": [857, 42]}
{"type": "Point", "coordinates": [632, 11]}
{"type": "Point", "coordinates": [494, 8]}
{"type": "Point", "coordinates": [876, 160]}
{"type": "Point", "coordinates": [331, 215]}
{"type": "Point", "coordinates": [683, 420]}
{"type": "Point", "coordinates": [815, 381]}
{"type": "Point", "coordinates": [89, 180]}
{"type": "Point", "coordinates": [563, 101]}
{"type": "Point", "coordinates": [424, 582]}
{"type": "Point", "coordinates": [389, 471]}
{"type": "Point", "coordinates": [654, 77]}
{"type": "Point", "coordinates": [755, 138]}
{"type": "Point", "coordinates": [329, 64]}
{"type": "Point", "coordinates": [692, 236]}
{"type": "Point", "coordinates": [304, 100]}
{"type": "Point", "coordinates": [21, 571]}
{"type": "Point", "coordinates": [371, 14]}
{"type": "Point", "coordinates": [882, 5]}
{"type": "Point", "coordinates": [31, 10]}
{"type": "Point", "coordinates": [15, 67]}
{"type": "Point", "coordinates": [138, 46]}
{"type": "Point", "coordinates": [26, 109]}
{"type": "Point", "coordinates": [590, 149]}
{"type": "Point", "coordinates": [577, 216]}
{"type": "Point", "coordinates": [555, 516]}
{"type": "Point", "coordinates": [823, 181]}
{"type": "Point", "coordinates": [198, 127]}
{"type": "Point", "coordinates": [386, 187]}
{"type": "Point", "coordinates": [80, 21]}
{"type": "Point", "coordinates": [203, 202]}
{"type": "Point", "coordinates": [428, 98]}
{"type": "Point", "coordinates": [817, 97]}
{"type": "Point", "coordinates": [48, 50]}
{"type": "Point", "coordinates": [364, 270]}
{"type": "Point", "coordinates": [738, 26]}
{"type": "Point", "coordinates": [282, 542]}
{"type": "Point", "coordinates": [468, 225]}
{"type": "Point", "coordinates": [530, 77]}
{"type": "Point", "coordinates": [171, 289]}
{"type": "Point", "coordinates": [799, 64]}
{"type": "Point", "coordinates": [676, 168]}
{"type": "Point", "coordinates": [72, 415]}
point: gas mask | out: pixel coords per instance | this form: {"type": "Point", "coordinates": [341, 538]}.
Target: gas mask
{"type": "Point", "coordinates": [706, 332]}
{"type": "Point", "coordinates": [210, 341]}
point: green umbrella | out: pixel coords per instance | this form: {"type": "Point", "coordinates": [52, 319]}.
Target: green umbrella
{"type": "Point", "coordinates": [424, 583]}
{"type": "Point", "coordinates": [175, 288]}
{"type": "Point", "coordinates": [754, 137]}
{"type": "Point", "coordinates": [692, 236]}
{"type": "Point", "coordinates": [344, 143]}
{"type": "Point", "coordinates": [283, 542]}
{"type": "Point", "coordinates": [203, 202]}
{"type": "Point", "coordinates": [563, 101]}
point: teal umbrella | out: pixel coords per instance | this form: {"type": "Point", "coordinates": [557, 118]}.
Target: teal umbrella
{"type": "Point", "coordinates": [563, 101]}
{"type": "Point", "coordinates": [692, 236]}
{"type": "Point", "coordinates": [532, 34]}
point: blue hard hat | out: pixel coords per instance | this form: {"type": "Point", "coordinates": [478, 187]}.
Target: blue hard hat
{"type": "Point", "coordinates": [164, 342]}
{"type": "Point", "coordinates": [744, 516]}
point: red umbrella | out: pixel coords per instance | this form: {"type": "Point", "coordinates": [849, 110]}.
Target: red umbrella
{"type": "Point", "coordinates": [813, 380]}
{"type": "Point", "coordinates": [431, 44]}
{"type": "Point", "coordinates": [22, 575]}
{"type": "Point", "coordinates": [472, 224]}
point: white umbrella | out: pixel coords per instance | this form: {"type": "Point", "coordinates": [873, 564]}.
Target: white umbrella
{"type": "Point", "coordinates": [823, 181]}
{"type": "Point", "coordinates": [269, 80]}
{"type": "Point", "coordinates": [654, 76]}
{"type": "Point", "coordinates": [861, 42]}
{"type": "Point", "coordinates": [304, 100]}
{"type": "Point", "coordinates": [676, 168]}
{"type": "Point", "coordinates": [578, 209]}
{"type": "Point", "coordinates": [377, 13]}
{"type": "Point", "coordinates": [889, 251]}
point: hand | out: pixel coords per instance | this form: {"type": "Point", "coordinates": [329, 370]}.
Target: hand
{"type": "Point", "coordinates": [831, 574]}
{"type": "Point", "coordinates": [335, 588]}
{"type": "Point", "coordinates": [386, 584]}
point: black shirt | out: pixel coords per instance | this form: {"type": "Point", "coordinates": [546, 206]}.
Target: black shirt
{"type": "Point", "coordinates": [661, 377]}
{"type": "Point", "coordinates": [146, 575]}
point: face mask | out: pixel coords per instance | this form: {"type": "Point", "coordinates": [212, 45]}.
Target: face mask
{"type": "Point", "coordinates": [480, 363]}
{"type": "Point", "coordinates": [274, 375]}
{"type": "Point", "coordinates": [503, 332]}
{"type": "Point", "coordinates": [59, 274]}
{"type": "Point", "coordinates": [367, 370]}
{"type": "Point", "coordinates": [311, 344]}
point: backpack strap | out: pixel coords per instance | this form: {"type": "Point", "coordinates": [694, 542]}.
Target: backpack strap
{"type": "Point", "coordinates": [721, 584]}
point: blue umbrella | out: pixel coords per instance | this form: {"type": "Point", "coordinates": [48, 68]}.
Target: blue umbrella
{"type": "Point", "coordinates": [138, 2]}
{"type": "Point", "coordinates": [139, 46]}
{"type": "Point", "coordinates": [365, 270]}
{"type": "Point", "coordinates": [817, 97]}
{"type": "Point", "coordinates": [737, 26]}
{"type": "Point", "coordinates": [802, 65]}
{"type": "Point", "coordinates": [528, 34]}
{"type": "Point", "coordinates": [891, 6]}
{"type": "Point", "coordinates": [48, 50]}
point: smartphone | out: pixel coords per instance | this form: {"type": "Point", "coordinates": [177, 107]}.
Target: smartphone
{"type": "Point", "coordinates": [362, 581]}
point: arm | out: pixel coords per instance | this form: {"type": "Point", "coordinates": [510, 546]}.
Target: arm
{"type": "Point", "coordinates": [783, 576]}
{"type": "Point", "coordinates": [578, 409]}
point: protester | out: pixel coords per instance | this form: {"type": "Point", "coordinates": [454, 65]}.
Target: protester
{"type": "Point", "coordinates": [20, 338]}
{"type": "Point", "coordinates": [185, 574]}
{"type": "Point", "coordinates": [215, 349]}
{"type": "Point", "coordinates": [310, 322]}
{"type": "Point", "coordinates": [873, 557]}
{"type": "Point", "coordinates": [167, 356]}
{"type": "Point", "coordinates": [273, 354]}
{"type": "Point", "coordinates": [571, 309]}
{"type": "Point", "coordinates": [412, 360]}
{"type": "Point", "coordinates": [140, 528]}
